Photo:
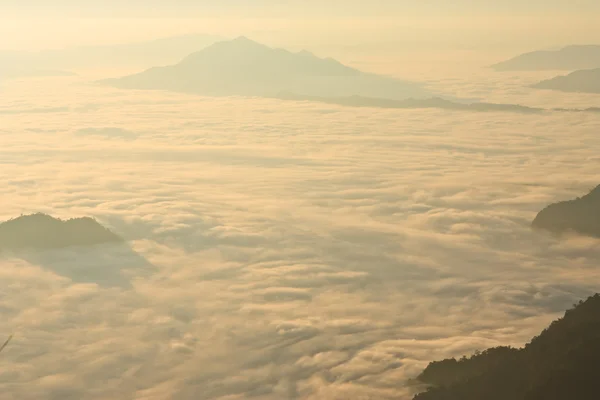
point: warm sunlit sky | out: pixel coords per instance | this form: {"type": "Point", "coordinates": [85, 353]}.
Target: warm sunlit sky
{"type": "Point", "coordinates": [511, 24]}
{"type": "Point", "coordinates": [280, 249]}
{"type": "Point", "coordinates": [307, 7]}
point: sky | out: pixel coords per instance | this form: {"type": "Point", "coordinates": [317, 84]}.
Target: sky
{"type": "Point", "coordinates": [514, 24]}
{"type": "Point", "coordinates": [309, 7]}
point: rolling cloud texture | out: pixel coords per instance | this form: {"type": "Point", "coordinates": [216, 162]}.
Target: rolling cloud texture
{"type": "Point", "coordinates": [297, 250]}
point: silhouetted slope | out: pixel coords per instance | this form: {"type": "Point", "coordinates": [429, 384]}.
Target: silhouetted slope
{"type": "Point", "coordinates": [581, 215]}
{"type": "Point", "coordinates": [246, 68]}
{"type": "Point", "coordinates": [562, 363]}
{"type": "Point", "coordinates": [41, 231]}
{"type": "Point", "coordinates": [568, 58]}
{"type": "Point", "coordinates": [451, 371]}
{"type": "Point", "coordinates": [584, 81]}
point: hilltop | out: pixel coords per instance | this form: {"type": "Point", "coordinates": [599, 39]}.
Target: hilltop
{"type": "Point", "coordinates": [581, 215]}
{"type": "Point", "coordinates": [242, 67]}
{"type": "Point", "coordinates": [559, 364]}
{"type": "Point", "coordinates": [41, 231]}
{"type": "Point", "coordinates": [584, 81]}
{"type": "Point", "coordinates": [568, 58]}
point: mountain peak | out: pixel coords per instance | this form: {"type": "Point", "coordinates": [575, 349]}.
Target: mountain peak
{"type": "Point", "coordinates": [240, 46]}
{"type": "Point", "coordinates": [243, 67]}
{"type": "Point", "coordinates": [242, 39]}
{"type": "Point", "coordinates": [240, 42]}
{"type": "Point", "coordinates": [306, 53]}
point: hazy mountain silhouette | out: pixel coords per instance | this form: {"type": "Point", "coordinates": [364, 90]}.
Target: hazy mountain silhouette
{"type": "Point", "coordinates": [136, 55]}
{"type": "Point", "coordinates": [12, 72]}
{"type": "Point", "coordinates": [581, 215]}
{"type": "Point", "coordinates": [80, 249]}
{"type": "Point", "coordinates": [569, 58]}
{"type": "Point", "coordinates": [432, 102]}
{"type": "Point", "coordinates": [246, 68]}
{"type": "Point", "coordinates": [584, 81]}
{"type": "Point", "coordinates": [562, 363]}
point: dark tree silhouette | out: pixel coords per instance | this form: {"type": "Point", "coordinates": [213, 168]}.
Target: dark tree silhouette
{"type": "Point", "coordinates": [6, 343]}
{"type": "Point", "coordinates": [581, 215]}
{"type": "Point", "coordinates": [562, 363]}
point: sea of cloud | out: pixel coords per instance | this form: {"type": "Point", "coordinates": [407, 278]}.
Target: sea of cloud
{"type": "Point", "coordinates": [291, 250]}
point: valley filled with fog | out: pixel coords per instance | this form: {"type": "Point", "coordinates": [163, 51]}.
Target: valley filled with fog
{"type": "Point", "coordinates": [290, 249]}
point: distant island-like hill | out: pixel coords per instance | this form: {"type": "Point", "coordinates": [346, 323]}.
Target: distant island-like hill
{"type": "Point", "coordinates": [584, 81]}
{"type": "Point", "coordinates": [581, 215]}
{"type": "Point", "coordinates": [569, 58]}
{"type": "Point", "coordinates": [559, 364]}
{"type": "Point", "coordinates": [242, 67]}
{"type": "Point", "coordinates": [41, 231]}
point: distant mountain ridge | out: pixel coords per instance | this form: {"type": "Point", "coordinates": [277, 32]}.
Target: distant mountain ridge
{"type": "Point", "coordinates": [138, 55]}
{"type": "Point", "coordinates": [584, 81]}
{"type": "Point", "coordinates": [41, 231]}
{"type": "Point", "coordinates": [559, 364]}
{"type": "Point", "coordinates": [411, 103]}
{"type": "Point", "coordinates": [568, 58]}
{"type": "Point", "coordinates": [432, 102]}
{"type": "Point", "coordinates": [242, 67]}
{"type": "Point", "coordinates": [581, 215]}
